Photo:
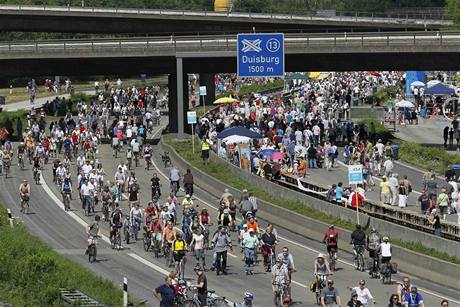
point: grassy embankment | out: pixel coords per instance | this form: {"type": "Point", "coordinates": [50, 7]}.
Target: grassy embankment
{"type": "Point", "coordinates": [219, 170]}
{"type": "Point", "coordinates": [32, 274]}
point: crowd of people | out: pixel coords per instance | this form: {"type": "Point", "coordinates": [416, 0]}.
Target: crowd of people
{"type": "Point", "coordinates": [311, 129]}
{"type": "Point", "coordinates": [71, 145]}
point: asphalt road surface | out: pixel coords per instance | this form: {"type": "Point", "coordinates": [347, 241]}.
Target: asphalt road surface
{"type": "Point", "coordinates": [65, 233]}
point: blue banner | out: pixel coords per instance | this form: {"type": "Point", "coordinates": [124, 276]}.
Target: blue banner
{"type": "Point", "coordinates": [411, 77]}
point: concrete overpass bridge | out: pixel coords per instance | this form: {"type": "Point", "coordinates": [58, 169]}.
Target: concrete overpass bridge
{"type": "Point", "coordinates": [68, 19]}
{"type": "Point", "coordinates": [177, 56]}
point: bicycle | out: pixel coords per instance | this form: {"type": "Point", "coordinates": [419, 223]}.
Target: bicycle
{"type": "Point", "coordinates": [115, 240]}
{"type": "Point", "coordinates": [135, 226]}
{"type": "Point", "coordinates": [21, 161]}
{"type": "Point", "coordinates": [166, 159]}
{"type": "Point", "coordinates": [212, 300]}
{"type": "Point", "coordinates": [374, 268]}
{"type": "Point", "coordinates": [180, 267]}
{"type": "Point", "coordinates": [156, 246]}
{"type": "Point", "coordinates": [320, 283]}
{"type": "Point", "coordinates": [168, 254]}
{"type": "Point", "coordinates": [92, 250]}
{"type": "Point", "coordinates": [36, 175]}
{"type": "Point", "coordinates": [126, 232]}
{"type": "Point", "coordinates": [174, 187]}
{"type": "Point", "coordinates": [105, 210]}
{"type": "Point", "coordinates": [89, 207]}
{"type": "Point", "coordinates": [136, 159]}
{"type": "Point", "coordinates": [282, 296]}
{"type": "Point", "coordinates": [386, 273]}
{"type": "Point", "coordinates": [6, 168]}
{"type": "Point", "coordinates": [358, 260]}
{"type": "Point", "coordinates": [130, 162]}
{"type": "Point", "coordinates": [66, 200]}
{"type": "Point", "coordinates": [25, 204]}
{"type": "Point", "coordinates": [332, 260]}
{"type": "Point", "coordinates": [270, 257]}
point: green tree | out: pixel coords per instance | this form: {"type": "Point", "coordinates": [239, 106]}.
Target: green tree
{"type": "Point", "coordinates": [453, 7]}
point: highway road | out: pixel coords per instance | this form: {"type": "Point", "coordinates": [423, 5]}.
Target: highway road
{"type": "Point", "coordinates": [65, 233]}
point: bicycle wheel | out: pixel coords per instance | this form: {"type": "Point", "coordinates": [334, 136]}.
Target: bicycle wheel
{"type": "Point", "coordinates": [113, 242]}
{"type": "Point", "coordinates": [356, 263]}
{"type": "Point", "coordinates": [146, 242]}
{"type": "Point", "coordinates": [90, 253]}
{"type": "Point", "coordinates": [361, 264]}
{"type": "Point", "coordinates": [192, 303]}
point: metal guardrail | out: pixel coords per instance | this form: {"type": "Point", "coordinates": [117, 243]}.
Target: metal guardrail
{"type": "Point", "coordinates": [376, 209]}
{"type": "Point", "coordinates": [78, 298]}
{"type": "Point", "coordinates": [296, 14]}
{"type": "Point", "coordinates": [303, 42]}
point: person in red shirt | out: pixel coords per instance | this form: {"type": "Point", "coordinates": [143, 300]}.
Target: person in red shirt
{"type": "Point", "coordinates": [331, 238]}
{"type": "Point", "coordinates": [356, 199]}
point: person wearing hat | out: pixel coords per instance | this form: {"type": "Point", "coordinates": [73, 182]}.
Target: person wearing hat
{"type": "Point", "coordinates": [280, 277]}
{"type": "Point", "coordinates": [330, 296]}
{"type": "Point", "coordinates": [322, 269]}
{"type": "Point", "coordinates": [250, 244]}
{"type": "Point", "coordinates": [116, 223]}
{"type": "Point", "coordinates": [187, 202]}
{"type": "Point", "coordinates": [413, 299]}
{"type": "Point", "coordinates": [225, 218]}
{"type": "Point", "coordinates": [201, 285]}
{"type": "Point", "coordinates": [247, 300]}
{"type": "Point", "coordinates": [354, 302]}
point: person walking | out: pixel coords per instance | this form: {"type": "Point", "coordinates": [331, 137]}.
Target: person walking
{"type": "Point", "coordinates": [221, 242]}
{"type": "Point", "coordinates": [443, 203]}
{"type": "Point", "coordinates": [205, 150]}
{"type": "Point", "coordinates": [165, 293]}
{"type": "Point", "coordinates": [402, 194]}
{"type": "Point", "coordinates": [250, 244]}
{"type": "Point", "coordinates": [385, 191]}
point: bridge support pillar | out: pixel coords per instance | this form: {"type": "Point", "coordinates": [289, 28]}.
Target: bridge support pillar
{"type": "Point", "coordinates": [207, 80]}
{"type": "Point", "coordinates": [178, 101]}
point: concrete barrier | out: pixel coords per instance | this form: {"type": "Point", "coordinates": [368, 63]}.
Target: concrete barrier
{"type": "Point", "coordinates": [426, 267]}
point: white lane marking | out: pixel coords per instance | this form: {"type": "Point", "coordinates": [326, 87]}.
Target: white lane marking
{"type": "Point", "coordinates": [306, 247]}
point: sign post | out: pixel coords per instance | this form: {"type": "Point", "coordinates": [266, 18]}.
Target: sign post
{"type": "Point", "coordinates": [260, 55]}
{"type": "Point", "coordinates": [191, 120]}
{"type": "Point", "coordinates": [203, 96]}
{"type": "Point", "coordinates": [355, 176]}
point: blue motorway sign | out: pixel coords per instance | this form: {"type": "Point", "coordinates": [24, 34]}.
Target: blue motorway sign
{"type": "Point", "coordinates": [260, 55]}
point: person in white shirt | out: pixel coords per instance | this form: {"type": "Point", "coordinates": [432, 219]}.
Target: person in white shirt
{"type": "Point", "coordinates": [385, 249]}
{"type": "Point", "coordinates": [87, 168]}
{"type": "Point", "coordinates": [87, 192]}
{"type": "Point", "coordinates": [394, 188]}
{"type": "Point", "coordinates": [364, 295]}
{"type": "Point", "coordinates": [388, 166]}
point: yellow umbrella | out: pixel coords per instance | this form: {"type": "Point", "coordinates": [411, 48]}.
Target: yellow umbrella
{"type": "Point", "coordinates": [314, 74]}
{"type": "Point", "coordinates": [225, 100]}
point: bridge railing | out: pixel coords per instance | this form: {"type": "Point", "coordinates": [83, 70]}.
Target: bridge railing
{"type": "Point", "coordinates": [295, 14]}
{"type": "Point", "coordinates": [228, 42]}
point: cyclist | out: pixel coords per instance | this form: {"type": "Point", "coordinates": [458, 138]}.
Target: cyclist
{"type": "Point", "coordinates": [280, 277]}
{"type": "Point", "coordinates": [250, 244]}
{"type": "Point", "coordinates": [187, 203]}
{"type": "Point", "coordinates": [288, 261]}
{"type": "Point", "coordinates": [20, 152]}
{"type": "Point", "coordinates": [188, 182]}
{"type": "Point", "coordinates": [179, 249]}
{"type": "Point", "coordinates": [225, 219]}
{"type": "Point", "coordinates": [93, 230]}
{"type": "Point", "coordinates": [331, 238]}
{"type": "Point", "coordinates": [322, 269]}
{"type": "Point", "coordinates": [363, 293]}
{"type": "Point", "coordinates": [155, 230]}
{"type": "Point", "coordinates": [198, 247]}
{"type": "Point", "coordinates": [135, 216]}
{"type": "Point", "coordinates": [221, 242]}
{"type": "Point", "coordinates": [150, 212]}
{"type": "Point", "coordinates": [354, 300]}
{"type": "Point", "coordinates": [413, 299]}
{"type": "Point", "coordinates": [156, 186]}
{"type": "Point", "coordinates": [330, 296]}
{"type": "Point", "coordinates": [373, 246]}
{"type": "Point", "coordinates": [252, 223]}
{"type": "Point", "coordinates": [24, 192]}
{"type": "Point", "coordinates": [201, 286]}
{"type": "Point", "coordinates": [87, 192]}
{"type": "Point", "coordinates": [403, 288]}
{"type": "Point", "coordinates": [135, 146]}
{"type": "Point", "coordinates": [116, 223]}
{"type": "Point", "coordinates": [174, 178]}
{"type": "Point", "coordinates": [6, 159]}
{"type": "Point", "coordinates": [66, 188]}
{"type": "Point", "coordinates": [148, 156]}
{"type": "Point", "coordinates": [247, 300]}
{"type": "Point", "coordinates": [385, 248]}
{"type": "Point", "coordinates": [358, 239]}
{"type": "Point", "coordinates": [268, 241]}
{"type": "Point", "coordinates": [169, 234]}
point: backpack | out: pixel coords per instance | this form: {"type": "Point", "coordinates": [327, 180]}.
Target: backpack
{"type": "Point", "coordinates": [66, 187]}
{"type": "Point", "coordinates": [373, 241]}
